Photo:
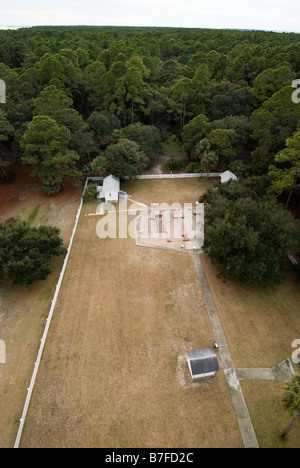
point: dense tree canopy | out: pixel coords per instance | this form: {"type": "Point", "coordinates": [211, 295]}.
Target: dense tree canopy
{"type": "Point", "coordinates": [247, 236]}
{"type": "Point", "coordinates": [232, 87]}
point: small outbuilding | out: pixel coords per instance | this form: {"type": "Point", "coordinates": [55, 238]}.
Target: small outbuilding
{"type": "Point", "coordinates": [110, 189]}
{"type": "Point", "coordinates": [227, 176]}
{"type": "Point", "coordinates": [203, 363]}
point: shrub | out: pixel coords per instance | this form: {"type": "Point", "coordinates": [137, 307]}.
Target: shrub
{"type": "Point", "coordinates": [90, 192]}
{"type": "Point", "coordinates": [175, 164]}
{"type": "Point", "coordinates": [193, 167]}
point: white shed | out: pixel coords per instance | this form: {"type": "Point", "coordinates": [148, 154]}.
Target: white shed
{"type": "Point", "coordinates": [110, 189]}
{"type": "Point", "coordinates": [227, 176]}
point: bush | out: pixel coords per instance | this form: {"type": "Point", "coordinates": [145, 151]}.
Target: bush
{"type": "Point", "coordinates": [90, 192]}
{"type": "Point", "coordinates": [193, 167]}
{"type": "Point", "coordinates": [175, 164]}
{"type": "Point", "coordinates": [52, 189]}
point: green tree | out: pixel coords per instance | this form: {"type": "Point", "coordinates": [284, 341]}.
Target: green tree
{"type": "Point", "coordinates": [287, 176]}
{"type": "Point", "coordinates": [45, 146]}
{"type": "Point", "coordinates": [102, 127]}
{"type": "Point", "coordinates": [246, 237]}
{"type": "Point", "coordinates": [194, 131]}
{"type": "Point", "coordinates": [224, 142]}
{"type": "Point", "coordinates": [238, 168]}
{"type": "Point", "coordinates": [136, 89]}
{"type": "Point", "coordinates": [270, 81]}
{"type": "Point", "coordinates": [181, 99]}
{"type": "Point", "coordinates": [239, 123]}
{"type": "Point", "coordinates": [92, 77]}
{"type": "Point", "coordinates": [6, 129]}
{"type": "Point", "coordinates": [126, 159]}
{"type": "Point", "coordinates": [25, 252]}
{"type": "Point", "coordinates": [247, 65]}
{"type": "Point", "coordinates": [209, 161]}
{"type": "Point", "coordinates": [229, 99]}
{"type": "Point", "coordinates": [54, 103]}
{"type": "Point", "coordinates": [146, 136]}
{"type": "Point", "coordinates": [173, 147]}
{"type": "Point", "coordinates": [291, 400]}
{"type": "Point", "coordinates": [99, 166]}
{"type": "Point", "coordinates": [272, 124]}
{"type": "Point", "coordinates": [203, 87]}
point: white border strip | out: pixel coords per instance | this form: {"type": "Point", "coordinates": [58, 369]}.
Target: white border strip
{"type": "Point", "coordinates": [43, 340]}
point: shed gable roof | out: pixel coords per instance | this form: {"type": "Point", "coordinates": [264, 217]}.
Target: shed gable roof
{"type": "Point", "coordinates": [227, 175]}
{"type": "Point", "coordinates": [111, 184]}
{"type": "Point", "coordinates": [203, 361]}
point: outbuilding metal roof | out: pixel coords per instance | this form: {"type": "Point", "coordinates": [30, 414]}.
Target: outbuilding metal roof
{"type": "Point", "coordinates": [227, 176]}
{"type": "Point", "coordinates": [202, 361]}
{"type": "Point", "coordinates": [111, 184]}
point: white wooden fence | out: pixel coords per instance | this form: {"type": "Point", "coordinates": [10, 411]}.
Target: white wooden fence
{"type": "Point", "coordinates": [164, 176]}
{"type": "Point", "coordinates": [177, 176]}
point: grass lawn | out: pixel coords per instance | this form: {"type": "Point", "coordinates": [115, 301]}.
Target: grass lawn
{"type": "Point", "coordinates": [268, 416]}
{"type": "Point", "coordinates": [113, 373]}
{"type": "Point", "coordinates": [23, 311]}
{"type": "Point", "coordinates": [260, 326]}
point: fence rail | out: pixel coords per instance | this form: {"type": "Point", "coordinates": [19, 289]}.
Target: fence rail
{"type": "Point", "coordinates": [176, 176]}
{"type": "Point", "coordinates": [164, 176]}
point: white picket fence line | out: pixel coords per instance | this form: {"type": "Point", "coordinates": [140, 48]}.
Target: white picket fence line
{"type": "Point", "coordinates": [48, 322]}
{"type": "Point", "coordinates": [177, 176]}
{"type": "Point", "coordinates": [164, 176]}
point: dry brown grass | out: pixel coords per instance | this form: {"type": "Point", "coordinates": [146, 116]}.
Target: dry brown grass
{"type": "Point", "coordinates": [260, 323]}
{"type": "Point", "coordinates": [268, 415]}
{"type": "Point", "coordinates": [260, 326]}
{"type": "Point", "coordinates": [23, 311]}
{"type": "Point", "coordinates": [113, 372]}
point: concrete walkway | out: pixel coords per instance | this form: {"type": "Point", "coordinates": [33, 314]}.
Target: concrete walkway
{"type": "Point", "coordinates": [238, 400]}
{"type": "Point", "coordinates": [283, 372]}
